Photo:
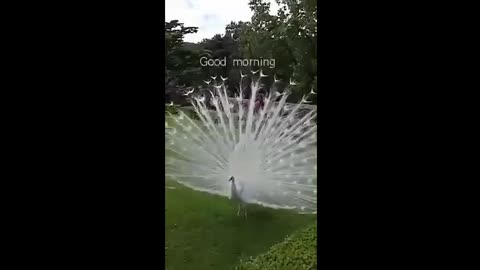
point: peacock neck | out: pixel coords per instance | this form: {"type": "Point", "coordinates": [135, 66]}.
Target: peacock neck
{"type": "Point", "coordinates": [233, 189]}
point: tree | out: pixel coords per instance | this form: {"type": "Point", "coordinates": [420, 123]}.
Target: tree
{"type": "Point", "coordinates": [288, 37]}
{"type": "Point", "coordinates": [180, 63]}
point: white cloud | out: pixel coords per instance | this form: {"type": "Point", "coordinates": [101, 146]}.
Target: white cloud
{"type": "Point", "coordinates": [210, 16]}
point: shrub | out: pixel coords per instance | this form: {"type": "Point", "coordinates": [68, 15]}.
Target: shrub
{"type": "Point", "coordinates": [297, 252]}
{"type": "Point", "coordinates": [171, 109]}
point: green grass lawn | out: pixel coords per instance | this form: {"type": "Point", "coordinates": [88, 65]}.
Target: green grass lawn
{"type": "Point", "coordinates": [203, 231]}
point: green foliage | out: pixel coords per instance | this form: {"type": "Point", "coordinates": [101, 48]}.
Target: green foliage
{"type": "Point", "coordinates": [297, 252]}
{"type": "Point", "coordinates": [288, 37]}
{"type": "Point", "coordinates": [220, 47]}
{"type": "Point", "coordinates": [171, 109]}
{"type": "Point", "coordinates": [174, 32]}
{"type": "Point", "coordinates": [181, 62]}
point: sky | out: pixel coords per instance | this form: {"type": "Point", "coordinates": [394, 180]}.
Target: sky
{"type": "Point", "coordinates": [210, 16]}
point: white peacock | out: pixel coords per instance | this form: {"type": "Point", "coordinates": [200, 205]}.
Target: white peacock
{"type": "Point", "coordinates": [270, 154]}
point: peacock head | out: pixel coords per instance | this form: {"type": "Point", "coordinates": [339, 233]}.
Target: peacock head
{"type": "Point", "coordinates": [232, 179]}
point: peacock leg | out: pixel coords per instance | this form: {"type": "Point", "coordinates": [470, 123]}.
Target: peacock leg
{"type": "Point", "coordinates": [238, 213]}
{"type": "Point", "coordinates": [245, 209]}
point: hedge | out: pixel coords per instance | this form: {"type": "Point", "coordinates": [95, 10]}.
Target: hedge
{"type": "Point", "coordinates": [297, 252]}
